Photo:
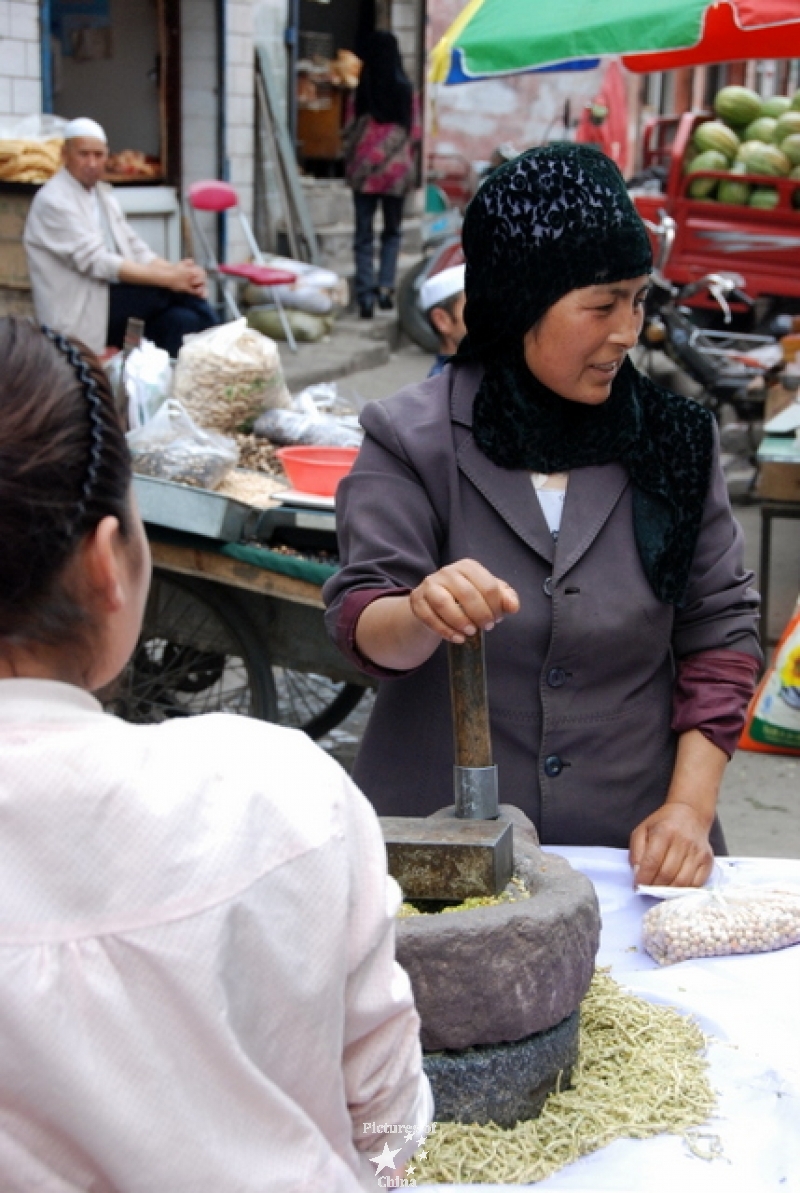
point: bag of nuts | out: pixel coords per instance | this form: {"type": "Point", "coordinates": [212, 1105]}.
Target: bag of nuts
{"type": "Point", "coordinates": [721, 922]}
{"type": "Point", "coordinates": [226, 376]}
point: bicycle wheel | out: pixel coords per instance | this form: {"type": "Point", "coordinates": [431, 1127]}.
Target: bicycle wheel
{"type": "Point", "coordinates": [196, 654]}
{"type": "Point", "coordinates": [312, 702]}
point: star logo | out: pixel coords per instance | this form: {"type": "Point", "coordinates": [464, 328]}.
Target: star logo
{"type": "Point", "coordinates": [385, 1159]}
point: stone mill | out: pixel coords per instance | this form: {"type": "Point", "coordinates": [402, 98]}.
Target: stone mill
{"type": "Point", "coordinates": [498, 986]}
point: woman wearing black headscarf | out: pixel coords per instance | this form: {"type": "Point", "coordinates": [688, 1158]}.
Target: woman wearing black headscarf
{"type": "Point", "coordinates": [379, 166]}
{"type": "Point", "coordinates": [543, 489]}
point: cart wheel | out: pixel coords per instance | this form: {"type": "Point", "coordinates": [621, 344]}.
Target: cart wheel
{"type": "Point", "coordinates": [313, 703]}
{"type": "Point", "coordinates": [194, 655]}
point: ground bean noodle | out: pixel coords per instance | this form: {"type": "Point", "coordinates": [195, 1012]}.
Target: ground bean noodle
{"type": "Point", "coordinates": [641, 1072]}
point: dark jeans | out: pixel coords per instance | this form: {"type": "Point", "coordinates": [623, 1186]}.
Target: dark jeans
{"type": "Point", "coordinates": [364, 243]}
{"type": "Point", "coordinates": [168, 315]}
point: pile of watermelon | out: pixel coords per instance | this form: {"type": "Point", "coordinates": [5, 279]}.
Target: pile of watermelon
{"type": "Point", "coordinates": [750, 136]}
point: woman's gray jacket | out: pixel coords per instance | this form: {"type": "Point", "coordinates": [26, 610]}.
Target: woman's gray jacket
{"type": "Point", "coordinates": [581, 679]}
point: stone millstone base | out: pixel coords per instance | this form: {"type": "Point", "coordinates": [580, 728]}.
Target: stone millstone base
{"type": "Point", "coordinates": [503, 1083]}
{"type": "Point", "coordinates": [490, 975]}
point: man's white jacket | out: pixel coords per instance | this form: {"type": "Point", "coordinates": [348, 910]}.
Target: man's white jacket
{"type": "Point", "coordinates": [69, 262]}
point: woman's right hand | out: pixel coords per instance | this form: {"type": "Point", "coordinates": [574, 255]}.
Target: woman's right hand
{"type": "Point", "coordinates": [461, 599]}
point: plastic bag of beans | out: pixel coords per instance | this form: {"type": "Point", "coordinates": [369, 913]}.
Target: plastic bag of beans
{"type": "Point", "coordinates": [172, 446]}
{"type": "Point", "coordinates": [722, 922]}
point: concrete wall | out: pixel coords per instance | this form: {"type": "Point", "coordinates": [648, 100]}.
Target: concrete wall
{"type": "Point", "coordinates": [20, 67]}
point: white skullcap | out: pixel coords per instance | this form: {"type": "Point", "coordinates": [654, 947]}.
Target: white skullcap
{"type": "Point", "coordinates": [82, 126]}
{"type": "Point", "coordinates": [441, 286]}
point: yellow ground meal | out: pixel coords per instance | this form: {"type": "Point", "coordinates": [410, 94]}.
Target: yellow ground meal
{"type": "Point", "coordinates": [641, 1072]}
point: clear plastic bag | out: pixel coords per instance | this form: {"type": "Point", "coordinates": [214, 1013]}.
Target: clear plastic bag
{"type": "Point", "coordinates": [172, 446]}
{"type": "Point", "coordinates": [721, 922]}
{"type": "Point", "coordinates": [147, 375]}
{"type": "Point", "coordinates": [312, 420]}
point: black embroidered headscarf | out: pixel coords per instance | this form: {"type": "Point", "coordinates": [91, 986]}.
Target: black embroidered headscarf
{"type": "Point", "coordinates": [384, 91]}
{"type": "Point", "coordinates": [553, 220]}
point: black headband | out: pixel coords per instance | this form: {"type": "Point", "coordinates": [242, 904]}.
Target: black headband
{"type": "Point", "coordinates": [95, 406]}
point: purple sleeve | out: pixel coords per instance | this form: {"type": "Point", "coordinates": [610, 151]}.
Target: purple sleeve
{"type": "Point", "coordinates": [712, 691]}
{"type": "Point", "coordinates": [353, 605]}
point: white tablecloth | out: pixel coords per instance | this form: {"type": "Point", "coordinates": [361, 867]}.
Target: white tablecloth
{"type": "Point", "coordinates": [750, 1005]}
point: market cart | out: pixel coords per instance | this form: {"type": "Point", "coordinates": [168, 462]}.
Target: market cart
{"type": "Point", "coordinates": [234, 620]}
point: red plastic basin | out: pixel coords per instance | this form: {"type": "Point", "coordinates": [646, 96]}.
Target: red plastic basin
{"type": "Point", "coordinates": [316, 470]}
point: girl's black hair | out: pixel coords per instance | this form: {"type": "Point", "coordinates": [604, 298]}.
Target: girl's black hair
{"type": "Point", "coordinates": [64, 465]}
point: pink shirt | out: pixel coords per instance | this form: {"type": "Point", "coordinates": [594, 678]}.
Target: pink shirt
{"type": "Point", "coordinates": [198, 988]}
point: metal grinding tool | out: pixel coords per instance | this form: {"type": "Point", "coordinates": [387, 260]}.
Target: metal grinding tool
{"type": "Point", "coordinates": [468, 852]}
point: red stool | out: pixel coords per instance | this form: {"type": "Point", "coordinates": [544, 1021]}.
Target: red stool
{"type": "Point", "coordinates": [220, 197]}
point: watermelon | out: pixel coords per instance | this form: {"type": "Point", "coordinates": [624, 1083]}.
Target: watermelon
{"type": "Point", "coordinates": [795, 172]}
{"type": "Point", "coordinates": [739, 105]}
{"type": "Point", "coordinates": [788, 124]}
{"type": "Point", "coordinates": [762, 129]}
{"type": "Point", "coordinates": [791, 147]}
{"type": "Point", "coordinates": [733, 192]}
{"type": "Point", "coordinates": [761, 158]}
{"type": "Point", "coordinates": [796, 100]}
{"type": "Point", "coordinates": [775, 106]}
{"type": "Point", "coordinates": [713, 134]}
{"type": "Point", "coordinates": [712, 159]}
{"type": "Point", "coordinates": [765, 197]}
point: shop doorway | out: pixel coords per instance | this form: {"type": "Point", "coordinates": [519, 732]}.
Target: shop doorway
{"type": "Point", "coordinates": [328, 33]}
{"type": "Point", "coordinates": [118, 61]}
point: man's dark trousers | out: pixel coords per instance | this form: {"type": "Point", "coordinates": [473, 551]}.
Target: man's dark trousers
{"type": "Point", "coordinates": [168, 315]}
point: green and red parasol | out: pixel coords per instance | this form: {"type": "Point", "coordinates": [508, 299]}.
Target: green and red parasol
{"type": "Point", "coordinates": [499, 37]}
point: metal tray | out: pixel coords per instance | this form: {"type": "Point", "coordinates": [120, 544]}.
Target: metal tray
{"type": "Point", "coordinates": [213, 515]}
{"type": "Point", "coordinates": [196, 511]}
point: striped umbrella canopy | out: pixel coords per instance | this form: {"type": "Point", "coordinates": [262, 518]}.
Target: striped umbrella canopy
{"type": "Point", "coordinates": [499, 37]}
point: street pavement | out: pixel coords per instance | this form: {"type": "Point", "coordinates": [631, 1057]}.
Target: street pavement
{"type": "Point", "coordinates": [760, 799]}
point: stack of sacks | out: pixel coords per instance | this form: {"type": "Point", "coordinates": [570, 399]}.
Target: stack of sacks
{"type": "Point", "coordinates": [311, 302]}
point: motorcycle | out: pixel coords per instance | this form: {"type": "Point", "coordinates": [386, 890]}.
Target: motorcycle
{"type": "Point", "coordinates": [730, 370]}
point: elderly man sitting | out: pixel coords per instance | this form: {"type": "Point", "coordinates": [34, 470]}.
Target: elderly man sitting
{"type": "Point", "coordinates": [89, 270]}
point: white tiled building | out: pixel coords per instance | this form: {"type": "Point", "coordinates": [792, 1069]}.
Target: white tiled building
{"type": "Point", "coordinates": [153, 81]}
{"type": "Point", "coordinates": [20, 58]}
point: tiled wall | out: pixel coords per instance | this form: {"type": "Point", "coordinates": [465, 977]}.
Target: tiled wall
{"type": "Point", "coordinates": [240, 115]}
{"type": "Point", "coordinates": [20, 69]}
{"type": "Point", "coordinates": [199, 102]}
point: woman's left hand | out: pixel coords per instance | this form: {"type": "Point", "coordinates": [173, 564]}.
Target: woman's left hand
{"type": "Point", "coordinates": [671, 848]}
